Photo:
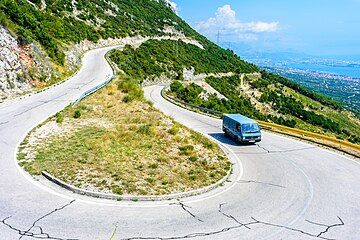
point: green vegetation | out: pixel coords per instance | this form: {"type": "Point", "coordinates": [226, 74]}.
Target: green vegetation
{"type": "Point", "coordinates": [132, 90]}
{"type": "Point", "coordinates": [58, 23]}
{"type": "Point", "coordinates": [273, 78]}
{"type": "Point", "coordinates": [289, 105]}
{"type": "Point", "coordinates": [77, 114]}
{"type": "Point", "coordinates": [154, 58]}
{"type": "Point", "coordinates": [235, 104]}
{"type": "Point", "coordinates": [292, 108]}
{"type": "Point", "coordinates": [59, 117]}
{"type": "Point", "coordinates": [124, 147]}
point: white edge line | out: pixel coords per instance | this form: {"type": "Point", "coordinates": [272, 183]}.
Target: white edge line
{"type": "Point", "coordinates": [305, 208]}
{"type": "Point", "coordinates": [32, 180]}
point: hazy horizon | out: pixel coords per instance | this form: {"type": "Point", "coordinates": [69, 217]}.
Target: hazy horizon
{"type": "Point", "coordinates": [319, 28]}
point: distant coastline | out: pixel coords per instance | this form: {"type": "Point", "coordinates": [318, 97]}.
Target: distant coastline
{"type": "Point", "coordinates": [332, 67]}
{"type": "Point", "coordinates": [344, 89]}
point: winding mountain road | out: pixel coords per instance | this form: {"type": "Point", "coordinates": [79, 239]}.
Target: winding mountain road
{"type": "Point", "coordinates": [280, 188]}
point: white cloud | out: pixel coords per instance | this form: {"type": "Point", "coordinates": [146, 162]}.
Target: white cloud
{"type": "Point", "coordinates": [246, 37]}
{"type": "Point", "coordinates": [226, 22]}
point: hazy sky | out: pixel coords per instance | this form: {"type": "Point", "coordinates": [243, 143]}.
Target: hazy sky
{"type": "Point", "coordinates": [319, 27]}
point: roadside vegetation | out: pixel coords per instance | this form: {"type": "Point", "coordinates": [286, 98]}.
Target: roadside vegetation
{"type": "Point", "coordinates": [47, 29]}
{"type": "Point", "coordinates": [116, 142]}
{"type": "Point", "coordinates": [264, 96]}
{"type": "Point", "coordinates": [304, 110]}
{"type": "Point", "coordinates": [67, 22]}
{"type": "Point", "coordinates": [155, 58]}
{"type": "Point", "coordinates": [286, 101]}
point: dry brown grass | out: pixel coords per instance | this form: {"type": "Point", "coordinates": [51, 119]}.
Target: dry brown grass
{"type": "Point", "coordinates": [124, 148]}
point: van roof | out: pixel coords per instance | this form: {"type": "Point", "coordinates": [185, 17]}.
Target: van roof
{"type": "Point", "coordinates": [240, 118]}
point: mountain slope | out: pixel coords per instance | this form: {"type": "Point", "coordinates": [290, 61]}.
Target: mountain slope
{"type": "Point", "coordinates": [58, 25]}
{"type": "Point", "coordinates": [53, 23]}
{"type": "Point", "coordinates": [50, 30]}
{"type": "Point", "coordinates": [260, 95]}
{"type": "Point", "coordinates": [47, 31]}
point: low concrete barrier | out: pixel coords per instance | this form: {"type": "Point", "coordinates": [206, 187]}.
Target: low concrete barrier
{"type": "Point", "coordinates": [133, 197]}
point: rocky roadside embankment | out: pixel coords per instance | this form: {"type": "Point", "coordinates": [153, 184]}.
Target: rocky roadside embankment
{"type": "Point", "coordinates": [24, 67]}
{"type": "Point", "coordinates": [11, 67]}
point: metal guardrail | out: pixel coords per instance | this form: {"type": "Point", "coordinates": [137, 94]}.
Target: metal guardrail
{"type": "Point", "coordinates": [94, 89]}
{"type": "Point", "coordinates": [303, 133]}
{"type": "Point", "coordinates": [205, 110]}
{"type": "Point", "coordinates": [310, 134]}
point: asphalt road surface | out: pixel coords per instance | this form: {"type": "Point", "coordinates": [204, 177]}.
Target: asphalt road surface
{"type": "Point", "coordinates": [279, 189]}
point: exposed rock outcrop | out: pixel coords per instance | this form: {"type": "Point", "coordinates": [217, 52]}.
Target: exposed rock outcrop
{"type": "Point", "coordinates": [21, 66]}
{"type": "Point", "coordinates": [11, 68]}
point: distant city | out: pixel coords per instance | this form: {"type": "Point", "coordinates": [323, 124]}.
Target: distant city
{"type": "Point", "coordinates": [334, 78]}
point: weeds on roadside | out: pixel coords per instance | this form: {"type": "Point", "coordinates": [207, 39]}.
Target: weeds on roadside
{"type": "Point", "coordinates": [130, 148]}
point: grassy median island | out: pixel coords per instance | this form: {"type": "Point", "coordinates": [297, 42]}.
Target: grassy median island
{"type": "Point", "coordinates": [116, 142]}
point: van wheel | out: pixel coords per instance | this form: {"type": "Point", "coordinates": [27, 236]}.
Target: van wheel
{"type": "Point", "coordinates": [237, 140]}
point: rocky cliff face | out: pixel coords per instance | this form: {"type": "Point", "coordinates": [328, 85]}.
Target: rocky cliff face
{"type": "Point", "coordinates": [21, 67]}
{"type": "Point", "coordinates": [12, 81]}
{"type": "Point", "coordinates": [24, 68]}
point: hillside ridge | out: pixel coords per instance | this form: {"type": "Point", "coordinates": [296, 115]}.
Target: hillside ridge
{"type": "Point", "coordinates": [68, 28]}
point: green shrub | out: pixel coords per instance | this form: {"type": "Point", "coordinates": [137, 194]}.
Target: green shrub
{"type": "Point", "coordinates": [77, 114]}
{"type": "Point", "coordinates": [186, 150]}
{"type": "Point", "coordinates": [173, 130]}
{"type": "Point", "coordinates": [153, 166]}
{"type": "Point", "coordinates": [193, 158]}
{"type": "Point", "coordinates": [193, 177]}
{"type": "Point", "coordinates": [59, 117]}
{"type": "Point", "coordinates": [117, 190]}
{"type": "Point", "coordinates": [144, 129]}
{"type": "Point", "coordinates": [127, 99]}
{"type": "Point", "coordinates": [150, 180]}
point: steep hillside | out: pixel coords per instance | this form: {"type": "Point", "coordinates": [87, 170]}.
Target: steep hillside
{"type": "Point", "coordinates": [269, 99]}
{"type": "Point", "coordinates": [260, 95]}
{"type": "Point", "coordinates": [55, 23]}
{"type": "Point", "coordinates": [64, 28]}
{"type": "Point", "coordinates": [54, 34]}
{"type": "Point", "coordinates": [9, 65]}
{"type": "Point", "coordinates": [176, 58]}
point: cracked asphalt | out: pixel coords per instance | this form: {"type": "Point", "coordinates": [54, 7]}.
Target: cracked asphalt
{"type": "Point", "coordinates": [280, 188]}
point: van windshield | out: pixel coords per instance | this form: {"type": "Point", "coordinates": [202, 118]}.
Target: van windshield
{"type": "Point", "coordinates": [250, 128]}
